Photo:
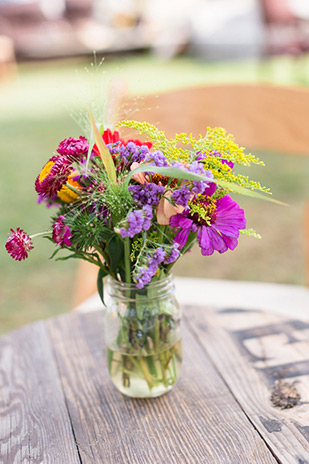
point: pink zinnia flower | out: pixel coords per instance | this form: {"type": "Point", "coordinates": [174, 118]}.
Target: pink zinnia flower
{"type": "Point", "coordinates": [61, 232]}
{"type": "Point", "coordinates": [217, 223]}
{"type": "Point", "coordinates": [18, 244]}
{"type": "Point", "coordinates": [73, 148]}
{"type": "Point", "coordinates": [53, 176]}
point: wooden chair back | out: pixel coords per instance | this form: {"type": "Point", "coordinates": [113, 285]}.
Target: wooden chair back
{"type": "Point", "coordinates": [262, 117]}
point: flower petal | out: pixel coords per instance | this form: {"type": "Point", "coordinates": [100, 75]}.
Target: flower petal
{"type": "Point", "coordinates": [217, 240]}
{"type": "Point", "coordinates": [182, 237]}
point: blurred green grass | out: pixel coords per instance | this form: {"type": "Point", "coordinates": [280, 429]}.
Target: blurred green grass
{"type": "Point", "coordinates": [35, 117]}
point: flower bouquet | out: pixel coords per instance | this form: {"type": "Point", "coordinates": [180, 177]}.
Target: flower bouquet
{"type": "Point", "coordinates": [133, 209]}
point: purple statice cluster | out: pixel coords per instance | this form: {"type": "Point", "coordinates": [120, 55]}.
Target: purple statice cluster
{"type": "Point", "coordinates": [136, 222]}
{"type": "Point", "coordinates": [144, 273]}
{"type": "Point", "coordinates": [187, 191]}
{"type": "Point", "coordinates": [150, 262]}
{"type": "Point", "coordinates": [147, 194]}
{"type": "Point", "coordinates": [132, 153]}
{"type": "Point", "coordinates": [172, 253]}
{"type": "Point", "coordinates": [156, 159]}
{"type": "Point", "coordinates": [182, 195]}
{"type": "Point", "coordinates": [199, 186]}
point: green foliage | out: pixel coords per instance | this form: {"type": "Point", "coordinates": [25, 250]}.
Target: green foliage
{"type": "Point", "coordinates": [100, 285]}
{"type": "Point", "coordinates": [215, 146]}
{"type": "Point", "coordinates": [250, 233]}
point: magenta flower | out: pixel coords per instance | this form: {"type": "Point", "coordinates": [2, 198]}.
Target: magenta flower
{"type": "Point", "coordinates": [61, 232]}
{"type": "Point", "coordinates": [217, 223]}
{"type": "Point", "coordinates": [53, 176]}
{"type": "Point", "coordinates": [18, 244]}
{"type": "Point", "coordinates": [74, 149]}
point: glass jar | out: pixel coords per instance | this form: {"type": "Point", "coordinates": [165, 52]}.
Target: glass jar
{"type": "Point", "coordinates": [143, 337]}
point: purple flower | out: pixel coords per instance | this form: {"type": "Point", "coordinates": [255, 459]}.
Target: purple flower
{"type": "Point", "coordinates": [18, 244]}
{"type": "Point", "coordinates": [74, 149]}
{"type": "Point", "coordinates": [132, 153]}
{"type": "Point", "coordinates": [146, 194]}
{"type": "Point", "coordinates": [217, 223]}
{"type": "Point", "coordinates": [182, 195]}
{"type": "Point", "coordinates": [216, 153]}
{"type": "Point", "coordinates": [61, 232]}
{"type": "Point", "coordinates": [137, 221]}
{"type": "Point", "coordinates": [114, 148]}
{"type": "Point", "coordinates": [144, 273]}
{"type": "Point", "coordinates": [199, 186]}
{"type": "Point", "coordinates": [144, 277]}
{"type": "Point", "coordinates": [156, 159]}
{"type": "Point", "coordinates": [157, 257]}
{"type": "Point", "coordinates": [173, 254]}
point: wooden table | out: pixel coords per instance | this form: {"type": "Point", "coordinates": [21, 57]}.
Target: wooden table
{"type": "Point", "coordinates": [243, 395]}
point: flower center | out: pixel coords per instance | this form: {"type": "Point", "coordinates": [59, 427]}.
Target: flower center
{"type": "Point", "coordinates": [46, 170]}
{"type": "Point", "coordinates": [66, 194]}
{"type": "Point", "coordinates": [203, 210]}
{"type": "Point", "coordinates": [163, 180]}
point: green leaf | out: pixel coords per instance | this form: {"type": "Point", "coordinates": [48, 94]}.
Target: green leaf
{"type": "Point", "coordinates": [101, 274]}
{"type": "Point", "coordinates": [104, 152]}
{"type": "Point", "coordinates": [115, 251]}
{"type": "Point", "coordinates": [182, 174]}
{"type": "Point", "coordinates": [54, 253]}
{"type": "Point", "coordinates": [105, 233]}
{"type": "Point", "coordinates": [64, 258]}
{"type": "Point", "coordinates": [101, 129]}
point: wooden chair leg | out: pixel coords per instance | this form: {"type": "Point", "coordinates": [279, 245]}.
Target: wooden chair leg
{"type": "Point", "coordinates": [86, 282]}
{"type": "Point", "coordinates": [307, 243]}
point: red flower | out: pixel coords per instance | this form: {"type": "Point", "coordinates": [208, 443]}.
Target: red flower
{"type": "Point", "coordinates": [18, 244]}
{"type": "Point", "coordinates": [114, 137]}
{"type": "Point", "coordinates": [109, 137]}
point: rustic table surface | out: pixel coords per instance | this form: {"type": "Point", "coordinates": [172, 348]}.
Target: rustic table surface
{"type": "Point", "coordinates": [243, 395]}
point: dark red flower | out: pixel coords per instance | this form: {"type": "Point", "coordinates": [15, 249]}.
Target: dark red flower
{"type": "Point", "coordinates": [53, 176]}
{"type": "Point", "coordinates": [61, 232]}
{"type": "Point", "coordinates": [74, 149]}
{"type": "Point", "coordinates": [18, 244]}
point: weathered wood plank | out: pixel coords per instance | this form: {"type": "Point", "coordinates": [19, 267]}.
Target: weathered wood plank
{"type": "Point", "coordinates": [198, 421]}
{"type": "Point", "coordinates": [263, 358]}
{"type": "Point", "coordinates": [34, 423]}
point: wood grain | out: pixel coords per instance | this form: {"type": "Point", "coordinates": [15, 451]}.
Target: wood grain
{"type": "Point", "coordinates": [199, 421]}
{"type": "Point", "coordinates": [254, 352]}
{"type": "Point", "coordinates": [34, 424]}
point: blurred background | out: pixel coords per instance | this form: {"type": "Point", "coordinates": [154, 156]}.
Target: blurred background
{"type": "Point", "coordinates": [46, 51]}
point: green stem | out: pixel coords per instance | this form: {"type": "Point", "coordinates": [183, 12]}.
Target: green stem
{"type": "Point", "coordinates": [75, 190]}
{"type": "Point", "coordinates": [146, 373]}
{"type": "Point", "coordinates": [41, 234]}
{"type": "Point", "coordinates": [161, 233]}
{"type": "Point", "coordinates": [127, 266]}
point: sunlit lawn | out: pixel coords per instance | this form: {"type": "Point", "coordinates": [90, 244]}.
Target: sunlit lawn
{"type": "Point", "coordinates": [35, 117]}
